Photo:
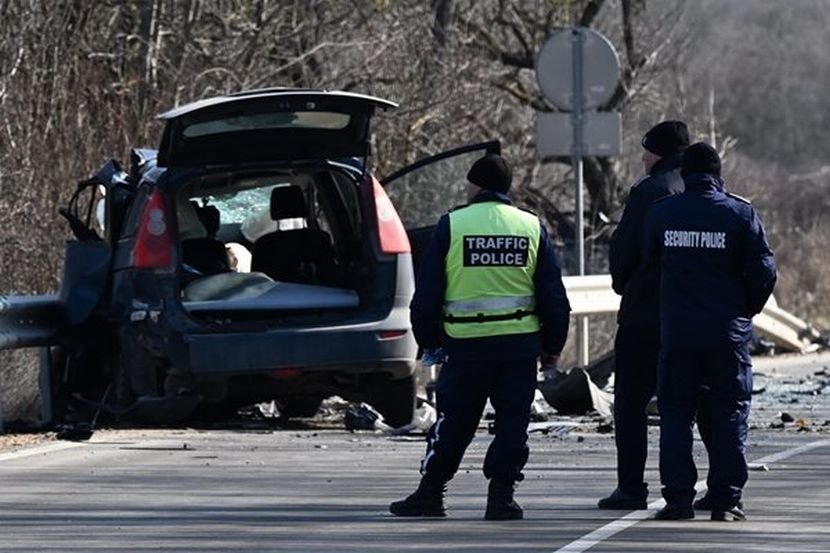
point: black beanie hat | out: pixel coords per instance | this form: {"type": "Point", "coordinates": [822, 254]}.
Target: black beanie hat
{"type": "Point", "coordinates": [491, 173]}
{"type": "Point", "coordinates": [666, 138]}
{"type": "Point", "coordinates": [700, 158]}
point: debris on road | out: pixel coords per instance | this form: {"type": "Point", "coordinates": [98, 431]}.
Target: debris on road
{"type": "Point", "coordinates": [425, 417]}
{"type": "Point", "coordinates": [362, 416]}
{"type": "Point", "coordinates": [78, 432]}
{"type": "Point", "coordinates": [556, 429]}
{"type": "Point", "coordinates": [785, 417]}
{"type": "Point", "coordinates": [573, 392]}
{"type": "Point", "coordinates": [579, 391]}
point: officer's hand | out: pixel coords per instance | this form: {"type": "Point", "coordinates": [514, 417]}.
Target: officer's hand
{"type": "Point", "coordinates": [548, 361]}
{"type": "Point", "coordinates": [433, 356]}
{"type": "Point", "coordinates": [549, 367]}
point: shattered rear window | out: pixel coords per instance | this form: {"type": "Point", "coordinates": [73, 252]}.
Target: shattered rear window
{"type": "Point", "coordinates": [236, 207]}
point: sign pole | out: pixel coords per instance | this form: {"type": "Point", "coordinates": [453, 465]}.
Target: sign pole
{"type": "Point", "coordinates": [594, 66]}
{"type": "Point", "coordinates": [577, 117]}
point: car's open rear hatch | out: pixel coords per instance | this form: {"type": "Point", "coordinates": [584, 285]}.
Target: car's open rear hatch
{"type": "Point", "coordinates": [268, 125]}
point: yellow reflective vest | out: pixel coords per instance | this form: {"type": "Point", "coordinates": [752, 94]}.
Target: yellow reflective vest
{"type": "Point", "coordinates": [489, 271]}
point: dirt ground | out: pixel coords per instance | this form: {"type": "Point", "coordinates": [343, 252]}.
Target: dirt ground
{"type": "Point", "coordinates": [14, 441]}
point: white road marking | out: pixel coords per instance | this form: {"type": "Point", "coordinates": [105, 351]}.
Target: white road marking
{"type": "Point", "coordinates": [38, 450]}
{"type": "Point", "coordinates": [615, 527]}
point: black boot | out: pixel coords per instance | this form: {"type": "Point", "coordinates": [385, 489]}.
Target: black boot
{"type": "Point", "coordinates": [705, 504]}
{"type": "Point", "coordinates": [735, 514]}
{"type": "Point", "coordinates": [500, 503]}
{"type": "Point", "coordinates": [732, 514]}
{"type": "Point", "coordinates": [426, 501]}
{"type": "Point", "coordinates": [622, 501]}
{"type": "Point", "coordinates": [675, 512]}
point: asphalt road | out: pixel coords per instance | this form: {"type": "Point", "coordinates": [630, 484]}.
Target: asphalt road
{"type": "Point", "coordinates": [319, 488]}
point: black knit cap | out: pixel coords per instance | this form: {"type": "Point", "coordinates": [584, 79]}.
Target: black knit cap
{"type": "Point", "coordinates": [666, 138]}
{"type": "Point", "coordinates": [491, 173]}
{"type": "Point", "coordinates": [700, 158]}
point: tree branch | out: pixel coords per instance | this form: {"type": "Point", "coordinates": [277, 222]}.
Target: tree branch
{"type": "Point", "coordinates": [590, 13]}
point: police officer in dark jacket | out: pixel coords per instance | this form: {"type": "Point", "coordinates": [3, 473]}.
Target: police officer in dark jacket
{"type": "Point", "coordinates": [638, 336]}
{"type": "Point", "coordinates": [489, 291]}
{"type": "Point", "coordinates": [717, 271]}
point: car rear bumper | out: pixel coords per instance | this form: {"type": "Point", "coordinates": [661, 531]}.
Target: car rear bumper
{"type": "Point", "coordinates": [384, 346]}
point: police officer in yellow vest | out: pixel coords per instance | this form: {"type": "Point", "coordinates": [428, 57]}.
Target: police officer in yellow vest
{"type": "Point", "coordinates": [490, 292]}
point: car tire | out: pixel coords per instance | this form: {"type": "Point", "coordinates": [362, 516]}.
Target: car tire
{"type": "Point", "coordinates": [394, 399]}
{"type": "Point", "coordinates": [299, 407]}
{"type": "Point", "coordinates": [50, 383]}
{"type": "Point", "coordinates": [138, 388]}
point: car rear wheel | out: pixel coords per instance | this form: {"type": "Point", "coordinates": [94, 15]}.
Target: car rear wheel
{"type": "Point", "coordinates": [394, 399]}
{"type": "Point", "coordinates": [139, 388]}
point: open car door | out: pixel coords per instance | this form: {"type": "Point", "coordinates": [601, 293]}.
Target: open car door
{"type": "Point", "coordinates": [49, 319]}
{"type": "Point", "coordinates": [428, 188]}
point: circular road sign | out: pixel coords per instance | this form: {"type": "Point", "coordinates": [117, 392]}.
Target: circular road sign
{"type": "Point", "coordinates": [555, 72]}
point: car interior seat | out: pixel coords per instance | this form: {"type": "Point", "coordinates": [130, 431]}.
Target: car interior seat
{"type": "Point", "coordinates": [204, 253]}
{"type": "Point", "coordinates": [303, 255]}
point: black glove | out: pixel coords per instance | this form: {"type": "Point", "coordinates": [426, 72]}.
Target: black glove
{"type": "Point", "coordinates": [548, 361]}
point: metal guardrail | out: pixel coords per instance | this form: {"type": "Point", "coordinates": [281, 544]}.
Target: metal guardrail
{"type": "Point", "coordinates": [29, 321]}
{"type": "Point", "coordinates": [592, 294]}
{"type": "Point", "coordinates": [785, 329]}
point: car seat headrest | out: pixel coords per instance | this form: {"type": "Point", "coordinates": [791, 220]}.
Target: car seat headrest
{"type": "Point", "coordinates": [287, 202]}
{"type": "Point", "coordinates": [210, 218]}
{"type": "Point", "coordinates": [190, 225]}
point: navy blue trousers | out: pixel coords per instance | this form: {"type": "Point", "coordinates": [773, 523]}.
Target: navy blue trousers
{"type": "Point", "coordinates": [461, 393]}
{"type": "Point", "coordinates": [715, 386]}
{"type": "Point", "coordinates": [636, 352]}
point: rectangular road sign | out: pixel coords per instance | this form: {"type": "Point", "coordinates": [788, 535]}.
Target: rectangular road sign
{"type": "Point", "coordinates": [601, 135]}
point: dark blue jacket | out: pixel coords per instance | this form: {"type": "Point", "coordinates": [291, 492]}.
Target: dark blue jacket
{"type": "Point", "coordinates": [428, 302]}
{"type": "Point", "coordinates": [717, 269]}
{"type": "Point", "coordinates": [636, 280]}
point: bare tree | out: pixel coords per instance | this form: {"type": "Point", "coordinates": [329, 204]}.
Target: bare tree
{"type": "Point", "coordinates": [82, 81]}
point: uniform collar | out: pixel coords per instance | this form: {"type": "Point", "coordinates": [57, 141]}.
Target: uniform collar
{"type": "Point", "coordinates": [490, 196]}
{"type": "Point", "coordinates": [666, 164]}
{"type": "Point", "coordinates": [703, 180]}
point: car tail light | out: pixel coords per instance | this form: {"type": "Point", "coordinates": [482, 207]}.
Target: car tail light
{"type": "Point", "coordinates": [287, 373]}
{"type": "Point", "coordinates": [393, 238]}
{"type": "Point", "coordinates": [391, 334]}
{"type": "Point", "coordinates": [154, 242]}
